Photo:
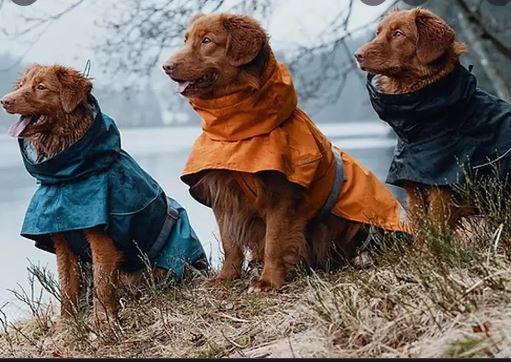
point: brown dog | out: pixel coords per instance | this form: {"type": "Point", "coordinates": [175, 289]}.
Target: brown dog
{"type": "Point", "coordinates": [53, 99]}
{"type": "Point", "coordinates": [413, 49]}
{"type": "Point", "coordinates": [80, 212]}
{"type": "Point", "coordinates": [228, 71]}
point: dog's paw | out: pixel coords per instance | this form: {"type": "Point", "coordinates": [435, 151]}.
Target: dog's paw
{"type": "Point", "coordinates": [60, 326]}
{"type": "Point", "coordinates": [261, 286]}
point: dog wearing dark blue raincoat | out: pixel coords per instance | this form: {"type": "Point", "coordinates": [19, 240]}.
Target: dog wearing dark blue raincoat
{"type": "Point", "coordinates": [453, 138]}
{"type": "Point", "coordinates": [450, 133]}
{"type": "Point", "coordinates": [96, 204]}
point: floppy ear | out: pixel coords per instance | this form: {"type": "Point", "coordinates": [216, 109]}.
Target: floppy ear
{"type": "Point", "coordinates": [74, 88]}
{"type": "Point", "coordinates": [246, 39]}
{"type": "Point", "coordinates": [434, 36]}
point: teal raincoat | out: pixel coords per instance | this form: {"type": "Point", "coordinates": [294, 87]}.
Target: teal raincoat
{"type": "Point", "coordinates": [95, 183]}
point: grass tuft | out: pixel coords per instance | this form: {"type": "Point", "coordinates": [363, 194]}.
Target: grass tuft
{"type": "Point", "coordinates": [447, 297]}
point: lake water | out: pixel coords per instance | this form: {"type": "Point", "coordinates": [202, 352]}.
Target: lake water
{"type": "Point", "coordinates": [161, 152]}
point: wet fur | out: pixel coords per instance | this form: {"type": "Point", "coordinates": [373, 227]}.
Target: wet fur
{"type": "Point", "coordinates": [274, 229]}
{"type": "Point", "coordinates": [426, 54]}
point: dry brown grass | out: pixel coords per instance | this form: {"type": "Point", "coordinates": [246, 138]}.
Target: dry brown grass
{"type": "Point", "coordinates": [449, 297]}
{"type": "Point", "coordinates": [410, 303]}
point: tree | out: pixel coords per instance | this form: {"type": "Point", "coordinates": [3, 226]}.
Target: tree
{"type": "Point", "coordinates": [138, 31]}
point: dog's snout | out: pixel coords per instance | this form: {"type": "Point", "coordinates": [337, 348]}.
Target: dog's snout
{"type": "Point", "coordinates": [169, 66]}
{"type": "Point", "coordinates": [6, 101]}
{"type": "Point", "coordinates": [360, 56]}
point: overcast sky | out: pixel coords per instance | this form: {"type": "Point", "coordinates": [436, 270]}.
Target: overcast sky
{"type": "Point", "coordinates": [70, 39]}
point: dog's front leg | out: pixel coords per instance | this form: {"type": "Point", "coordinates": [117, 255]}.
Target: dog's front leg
{"type": "Point", "coordinates": [106, 259]}
{"type": "Point", "coordinates": [442, 207]}
{"type": "Point", "coordinates": [285, 232]}
{"type": "Point", "coordinates": [69, 276]}
{"type": "Point", "coordinates": [417, 205]}
{"type": "Point", "coordinates": [233, 251]}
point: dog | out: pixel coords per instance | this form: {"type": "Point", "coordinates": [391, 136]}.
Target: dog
{"type": "Point", "coordinates": [94, 203]}
{"type": "Point", "coordinates": [447, 128]}
{"type": "Point", "coordinates": [275, 184]}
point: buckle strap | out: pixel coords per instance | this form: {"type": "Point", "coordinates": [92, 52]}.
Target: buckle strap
{"type": "Point", "coordinates": [336, 188]}
{"type": "Point", "coordinates": [171, 218]}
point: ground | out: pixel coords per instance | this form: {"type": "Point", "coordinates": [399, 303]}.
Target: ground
{"type": "Point", "coordinates": [446, 296]}
{"type": "Point", "coordinates": [411, 302]}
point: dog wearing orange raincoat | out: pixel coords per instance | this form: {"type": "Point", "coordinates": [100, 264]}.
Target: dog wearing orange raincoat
{"type": "Point", "coordinates": [277, 186]}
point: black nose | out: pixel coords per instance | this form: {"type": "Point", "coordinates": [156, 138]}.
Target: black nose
{"type": "Point", "coordinates": [6, 101]}
{"type": "Point", "coordinates": [360, 56]}
{"type": "Point", "coordinates": [169, 67]}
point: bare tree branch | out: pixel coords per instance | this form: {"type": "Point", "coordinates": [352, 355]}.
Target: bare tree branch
{"type": "Point", "coordinates": [475, 18]}
{"type": "Point", "coordinates": [36, 23]}
{"type": "Point", "coordinates": [472, 28]}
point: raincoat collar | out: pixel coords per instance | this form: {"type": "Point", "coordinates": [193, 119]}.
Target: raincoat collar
{"type": "Point", "coordinates": [250, 112]}
{"type": "Point", "coordinates": [405, 111]}
{"type": "Point", "coordinates": [93, 153]}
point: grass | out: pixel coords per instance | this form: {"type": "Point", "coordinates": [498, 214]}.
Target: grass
{"type": "Point", "coordinates": [448, 297]}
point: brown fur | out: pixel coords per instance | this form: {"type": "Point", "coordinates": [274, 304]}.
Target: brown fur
{"type": "Point", "coordinates": [59, 95]}
{"type": "Point", "coordinates": [275, 228]}
{"type": "Point", "coordinates": [423, 53]}
{"type": "Point", "coordinates": [235, 56]}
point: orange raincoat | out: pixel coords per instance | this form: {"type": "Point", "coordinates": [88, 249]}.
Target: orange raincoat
{"type": "Point", "coordinates": [262, 130]}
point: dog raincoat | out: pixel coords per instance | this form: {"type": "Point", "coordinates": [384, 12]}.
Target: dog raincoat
{"type": "Point", "coordinates": [446, 130]}
{"type": "Point", "coordinates": [263, 130]}
{"type": "Point", "coordinates": [95, 183]}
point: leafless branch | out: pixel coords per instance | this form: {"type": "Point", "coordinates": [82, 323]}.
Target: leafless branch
{"type": "Point", "coordinates": [475, 18]}
{"type": "Point", "coordinates": [38, 24]}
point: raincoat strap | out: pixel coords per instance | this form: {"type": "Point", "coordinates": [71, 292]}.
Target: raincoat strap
{"type": "Point", "coordinates": [171, 218]}
{"type": "Point", "coordinates": [336, 189]}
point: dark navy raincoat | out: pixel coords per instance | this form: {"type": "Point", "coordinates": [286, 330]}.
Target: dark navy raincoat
{"type": "Point", "coordinates": [95, 183]}
{"type": "Point", "coordinates": [446, 131]}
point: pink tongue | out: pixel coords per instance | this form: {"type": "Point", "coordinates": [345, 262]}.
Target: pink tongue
{"type": "Point", "coordinates": [17, 128]}
{"type": "Point", "coordinates": [181, 86]}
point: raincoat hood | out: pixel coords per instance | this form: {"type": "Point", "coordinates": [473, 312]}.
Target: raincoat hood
{"type": "Point", "coordinates": [253, 130]}
{"type": "Point", "coordinates": [93, 153]}
{"type": "Point", "coordinates": [94, 183]}
{"type": "Point", "coordinates": [249, 113]}
{"type": "Point", "coordinates": [445, 130]}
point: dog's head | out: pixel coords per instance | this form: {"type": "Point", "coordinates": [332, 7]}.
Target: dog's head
{"type": "Point", "coordinates": [43, 93]}
{"type": "Point", "coordinates": [221, 52]}
{"type": "Point", "coordinates": [410, 42]}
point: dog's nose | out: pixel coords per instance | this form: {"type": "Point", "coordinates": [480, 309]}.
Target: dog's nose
{"type": "Point", "coordinates": [6, 101]}
{"type": "Point", "coordinates": [359, 56]}
{"type": "Point", "coordinates": [169, 67]}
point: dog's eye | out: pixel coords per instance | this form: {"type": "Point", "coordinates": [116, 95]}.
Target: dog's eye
{"type": "Point", "coordinates": [398, 34]}
{"type": "Point", "coordinates": [41, 87]}
{"type": "Point", "coordinates": [206, 40]}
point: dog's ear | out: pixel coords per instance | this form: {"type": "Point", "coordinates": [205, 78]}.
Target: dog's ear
{"type": "Point", "coordinates": [434, 36]}
{"type": "Point", "coordinates": [246, 39]}
{"type": "Point", "coordinates": [74, 88]}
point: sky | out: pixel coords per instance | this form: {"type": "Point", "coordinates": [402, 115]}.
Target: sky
{"type": "Point", "coordinates": [70, 39]}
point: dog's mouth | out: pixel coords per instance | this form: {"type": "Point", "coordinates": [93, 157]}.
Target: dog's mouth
{"type": "Point", "coordinates": [19, 128]}
{"type": "Point", "coordinates": [186, 87]}
{"type": "Point", "coordinates": [388, 71]}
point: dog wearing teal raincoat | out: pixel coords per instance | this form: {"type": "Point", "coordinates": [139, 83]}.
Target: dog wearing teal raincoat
{"type": "Point", "coordinates": [93, 193]}
{"type": "Point", "coordinates": [96, 183]}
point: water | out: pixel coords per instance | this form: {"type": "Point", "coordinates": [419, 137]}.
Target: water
{"type": "Point", "coordinates": [161, 152]}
